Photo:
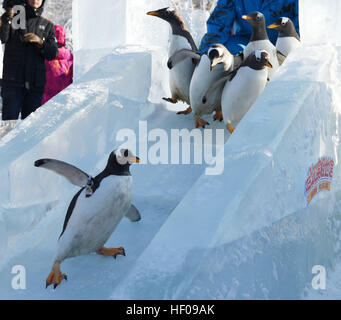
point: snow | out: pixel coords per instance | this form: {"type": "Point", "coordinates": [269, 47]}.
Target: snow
{"type": "Point", "coordinates": [247, 233]}
{"type": "Point", "coordinates": [320, 23]}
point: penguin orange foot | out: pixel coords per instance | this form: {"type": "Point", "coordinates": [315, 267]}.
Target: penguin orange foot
{"type": "Point", "coordinates": [171, 100]}
{"type": "Point", "coordinates": [187, 111]}
{"type": "Point", "coordinates": [111, 252]}
{"type": "Point", "coordinates": [56, 276]}
{"type": "Point", "coordinates": [218, 116]}
{"type": "Point", "coordinates": [200, 122]}
{"type": "Point", "coordinates": [230, 128]}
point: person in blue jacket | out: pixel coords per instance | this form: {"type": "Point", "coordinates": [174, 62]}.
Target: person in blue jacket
{"type": "Point", "coordinates": [227, 27]}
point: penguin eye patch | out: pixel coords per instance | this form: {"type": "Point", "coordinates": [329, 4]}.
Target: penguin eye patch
{"type": "Point", "coordinates": [215, 53]}
{"type": "Point", "coordinates": [126, 153]}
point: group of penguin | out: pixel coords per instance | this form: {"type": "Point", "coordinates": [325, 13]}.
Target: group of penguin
{"type": "Point", "coordinates": [217, 80]}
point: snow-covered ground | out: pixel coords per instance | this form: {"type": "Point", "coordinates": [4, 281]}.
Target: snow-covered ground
{"type": "Point", "coordinates": [245, 233]}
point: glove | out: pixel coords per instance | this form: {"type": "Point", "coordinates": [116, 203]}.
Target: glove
{"type": "Point", "coordinates": [33, 38]}
{"type": "Point", "coordinates": [10, 13]}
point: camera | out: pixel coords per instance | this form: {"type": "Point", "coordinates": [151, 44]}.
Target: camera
{"type": "Point", "coordinates": [7, 4]}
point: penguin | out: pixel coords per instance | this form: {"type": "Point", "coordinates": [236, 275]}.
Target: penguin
{"type": "Point", "coordinates": [212, 66]}
{"type": "Point", "coordinates": [183, 54]}
{"type": "Point", "coordinates": [242, 87]}
{"type": "Point", "coordinates": [260, 40]}
{"type": "Point", "coordinates": [288, 38]}
{"type": "Point", "coordinates": [92, 216]}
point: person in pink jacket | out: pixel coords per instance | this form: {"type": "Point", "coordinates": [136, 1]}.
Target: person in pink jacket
{"type": "Point", "coordinates": [59, 72]}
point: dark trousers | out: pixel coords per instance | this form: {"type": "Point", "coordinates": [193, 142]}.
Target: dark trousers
{"type": "Point", "coordinates": [16, 100]}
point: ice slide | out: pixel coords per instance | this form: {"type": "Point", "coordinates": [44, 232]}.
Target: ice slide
{"type": "Point", "coordinates": [255, 231]}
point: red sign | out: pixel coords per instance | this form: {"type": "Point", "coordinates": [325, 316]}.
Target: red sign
{"type": "Point", "coordinates": [319, 178]}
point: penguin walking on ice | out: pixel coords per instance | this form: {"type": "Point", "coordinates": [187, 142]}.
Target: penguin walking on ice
{"type": "Point", "coordinates": [288, 38]}
{"type": "Point", "coordinates": [183, 54]}
{"type": "Point", "coordinates": [242, 89]}
{"type": "Point", "coordinates": [95, 210]}
{"type": "Point", "coordinates": [212, 66]}
{"type": "Point", "coordinates": [260, 41]}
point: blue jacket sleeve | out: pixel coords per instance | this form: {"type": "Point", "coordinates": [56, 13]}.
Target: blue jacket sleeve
{"type": "Point", "coordinates": [219, 24]}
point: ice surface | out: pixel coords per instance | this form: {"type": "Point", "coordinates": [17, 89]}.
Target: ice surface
{"type": "Point", "coordinates": [247, 233]}
{"type": "Point", "coordinates": [320, 23]}
{"type": "Point", "coordinates": [98, 25]}
{"type": "Point", "coordinates": [143, 29]}
{"type": "Point", "coordinates": [262, 214]}
{"type": "Point", "coordinates": [135, 71]}
{"type": "Point", "coordinates": [80, 126]}
{"type": "Point", "coordinates": [110, 24]}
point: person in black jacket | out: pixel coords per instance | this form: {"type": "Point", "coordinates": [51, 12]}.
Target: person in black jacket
{"type": "Point", "coordinates": [23, 80]}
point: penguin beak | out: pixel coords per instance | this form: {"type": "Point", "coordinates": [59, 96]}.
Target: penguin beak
{"type": "Point", "coordinates": [153, 13]}
{"type": "Point", "coordinates": [213, 64]}
{"type": "Point", "coordinates": [273, 26]}
{"type": "Point", "coordinates": [246, 18]}
{"type": "Point", "coordinates": [268, 64]}
{"type": "Point", "coordinates": [134, 160]}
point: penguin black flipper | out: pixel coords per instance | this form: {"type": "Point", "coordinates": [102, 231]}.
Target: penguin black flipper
{"type": "Point", "coordinates": [238, 60]}
{"type": "Point", "coordinates": [74, 175]}
{"type": "Point", "coordinates": [281, 57]}
{"type": "Point", "coordinates": [181, 55]}
{"type": "Point", "coordinates": [70, 210]}
{"type": "Point", "coordinates": [217, 84]}
{"type": "Point", "coordinates": [133, 214]}
{"type": "Point", "coordinates": [233, 74]}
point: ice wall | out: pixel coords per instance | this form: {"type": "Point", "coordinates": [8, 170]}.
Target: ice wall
{"type": "Point", "coordinates": [136, 70]}
{"type": "Point", "coordinates": [98, 28]}
{"type": "Point", "coordinates": [250, 232]}
{"type": "Point", "coordinates": [79, 126]}
{"type": "Point", "coordinates": [319, 22]}
{"type": "Point", "coordinates": [109, 24]}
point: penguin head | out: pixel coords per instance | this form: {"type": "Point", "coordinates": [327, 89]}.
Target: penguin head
{"type": "Point", "coordinates": [284, 26]}
{"type": "Point", "coordinates": [218, 53]}
{"type": "Point", "coordinates": [258, 60]}
{"type": "Point", "coordinates": [256, 19]}
{"type": "Point", "coordinates": [120, 160]}
{"type": "Point", "coordinates": [170, 15]}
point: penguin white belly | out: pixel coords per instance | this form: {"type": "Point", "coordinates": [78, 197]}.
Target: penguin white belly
{"type": "Point", "coordinates": [287, 44]}
{"type": "Point", "coordinates": [241, 93]}
{"type": "Point", "coordinates": [181, 74]}
{"type": "Point", "coordinates": [203, 78]}
{"type": "Point", "coordinates": [269, 47]}
{"type": "Point", "coordinates": [94, 219]}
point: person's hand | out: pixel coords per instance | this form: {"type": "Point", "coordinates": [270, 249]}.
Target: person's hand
{"type": "Point", "coordinates": [33, 38]}
{"type": "Point", "coordinates": [10, 13]}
